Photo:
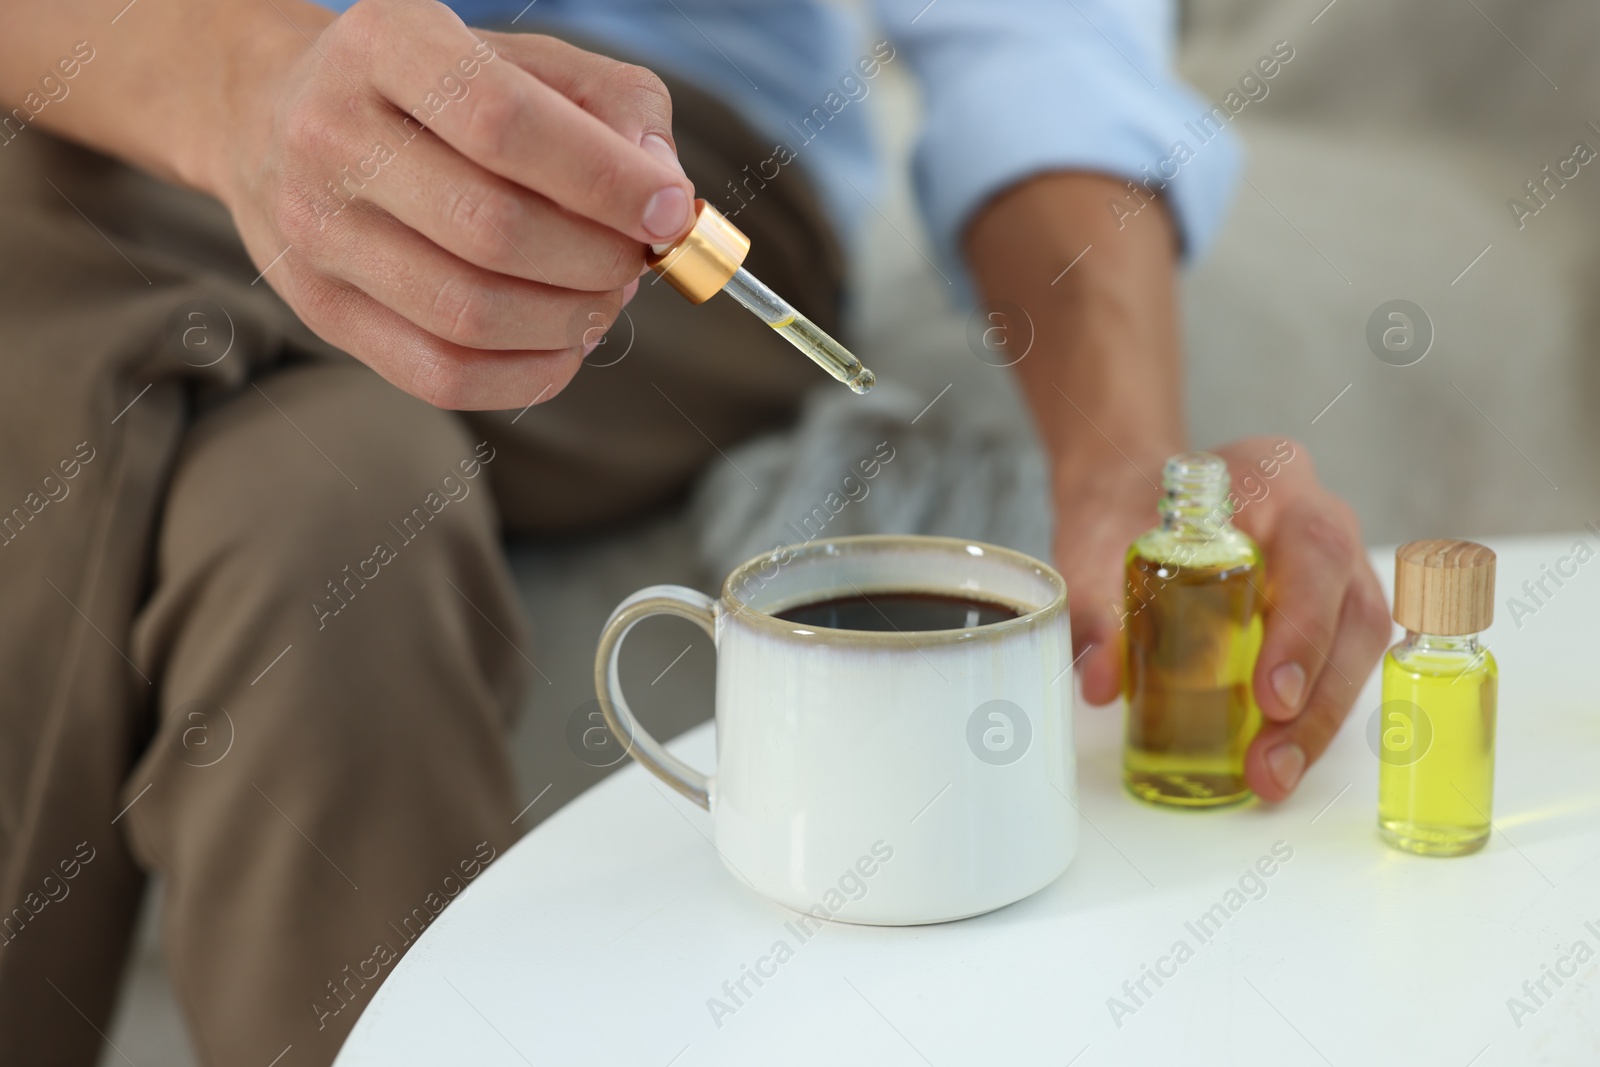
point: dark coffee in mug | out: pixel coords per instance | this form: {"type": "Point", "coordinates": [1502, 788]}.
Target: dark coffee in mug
{"type": "Point", "coordinates": [901, 612]}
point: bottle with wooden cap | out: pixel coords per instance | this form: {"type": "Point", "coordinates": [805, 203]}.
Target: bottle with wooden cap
{"type": "Point", "coordinates": [1437, 722]}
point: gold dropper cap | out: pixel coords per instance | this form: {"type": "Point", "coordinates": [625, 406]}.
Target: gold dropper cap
{"type": "Point", "coordinates": [1444, 587]}
{"type": "Point", "coordinates": [706, 259]}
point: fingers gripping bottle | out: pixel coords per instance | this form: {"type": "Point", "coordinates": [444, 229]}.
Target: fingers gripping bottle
{"type": "Point", "coordinates": [1440, 687]}
{"type": "Point", "coordinates": [1193, 625]}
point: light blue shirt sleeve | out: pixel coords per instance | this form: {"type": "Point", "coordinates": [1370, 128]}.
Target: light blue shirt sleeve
{"type": "Point", "coordinates": [1011, 88]}
{"type": "Point", "coordinates": [1015, 88]}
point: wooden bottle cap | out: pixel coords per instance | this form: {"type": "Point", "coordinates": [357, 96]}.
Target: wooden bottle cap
{"type": "Point", "coordinates": [1444, 587]}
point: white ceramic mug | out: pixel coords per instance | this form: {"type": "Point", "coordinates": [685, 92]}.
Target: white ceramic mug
{"type": "Point", "coordinates": [878, 777]}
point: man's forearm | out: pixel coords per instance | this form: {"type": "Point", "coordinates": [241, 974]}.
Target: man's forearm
{"type": "Point", "coordinates": [1104, 373]}
{"type": "Point", "coordinates": [165, 81]}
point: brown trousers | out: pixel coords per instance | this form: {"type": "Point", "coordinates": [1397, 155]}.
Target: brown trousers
{"type": "Point", "coordinates": [257, 633]}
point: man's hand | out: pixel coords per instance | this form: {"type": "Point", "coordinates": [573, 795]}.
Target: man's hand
{"type": "Point", "coordinates": [456, 209]}
{"type": "Point", "coordinates": [1326, 620]}
{"type": "Point", "coordinates": [1104, 382]}
{"type": "Point", "coordinates": [460, 210]}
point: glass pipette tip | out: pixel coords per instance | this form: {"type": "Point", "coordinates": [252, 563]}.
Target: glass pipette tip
{"type": "Point", "coordinates": [799, 331]}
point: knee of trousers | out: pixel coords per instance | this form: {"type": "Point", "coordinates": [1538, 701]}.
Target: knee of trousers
{"type": "Point", "coordinates": [330, 591]}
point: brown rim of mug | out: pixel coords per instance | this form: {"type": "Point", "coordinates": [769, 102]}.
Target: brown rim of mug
{"type": "Point", "coordinates": [732, 605]}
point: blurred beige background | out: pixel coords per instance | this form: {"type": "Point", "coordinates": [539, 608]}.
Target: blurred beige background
{"type": "Point", "coordinates": [1379, 166]}
{"type": "Point", "coordinates": [1393, 141]}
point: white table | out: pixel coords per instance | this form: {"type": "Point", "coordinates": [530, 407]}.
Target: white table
{"type": "Point", "coordinates": [599, 938]}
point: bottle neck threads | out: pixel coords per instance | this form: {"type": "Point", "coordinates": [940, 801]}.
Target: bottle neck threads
{"type": "Point", "coordinates": [1196, 501]}
{"type": "Point", "coordinates": [1423, 642]}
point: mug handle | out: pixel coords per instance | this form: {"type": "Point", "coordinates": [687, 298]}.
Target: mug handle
{"type": "Point", "coordinates": [655, 600]}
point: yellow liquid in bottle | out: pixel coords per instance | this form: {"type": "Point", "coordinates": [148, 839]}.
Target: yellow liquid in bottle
{"type": "Point", "coordinates": [1436, 778]}
{"type": "Point", "coordinates": [1193, 634]}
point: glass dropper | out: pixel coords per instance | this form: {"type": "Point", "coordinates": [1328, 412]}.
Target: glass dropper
{"type": "Point", "coordinates": [709, 260]}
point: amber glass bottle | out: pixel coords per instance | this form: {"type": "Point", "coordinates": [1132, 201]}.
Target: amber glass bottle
{"type": "Point", "coordinates": [1193, 628]}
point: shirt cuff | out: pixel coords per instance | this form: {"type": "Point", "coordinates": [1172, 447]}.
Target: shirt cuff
{"type": "Point", "coordinates": [1007, 117]}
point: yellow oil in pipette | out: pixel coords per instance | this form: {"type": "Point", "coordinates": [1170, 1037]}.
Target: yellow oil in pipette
{"type": "Point", "coordinates": [800, 331]}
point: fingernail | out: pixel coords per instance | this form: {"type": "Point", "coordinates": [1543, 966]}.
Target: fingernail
{"type": "Point", "coordinates": [628, 291]}
{"type": "Point", "coordinates": [667, 213]}
{"type": "Point", "coordinates": [1287, 763]}
{"type": "Point", "coordinates": [657, 146]}
{"type": "Point", "coordinates": [1289, 683]}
